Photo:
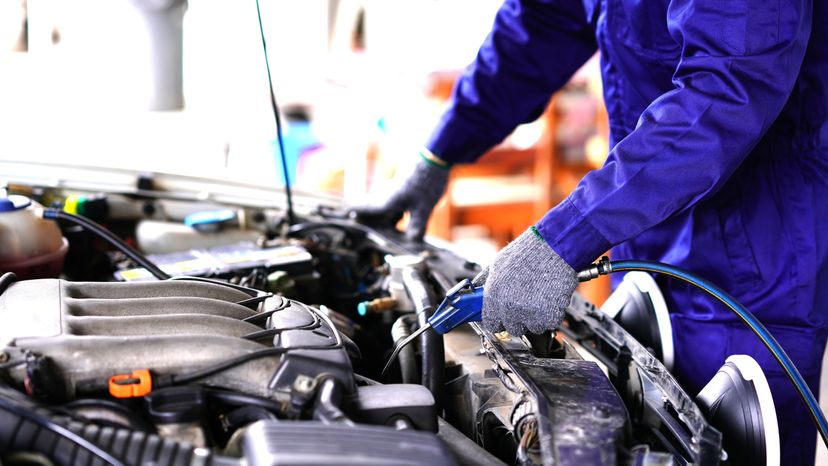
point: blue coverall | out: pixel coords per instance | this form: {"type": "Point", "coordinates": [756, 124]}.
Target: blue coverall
{"type": "Point", "coordinates": [718, 162]}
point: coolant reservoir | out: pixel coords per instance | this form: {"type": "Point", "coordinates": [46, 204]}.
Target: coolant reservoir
{"type": "Point", "coordinates": [30, 246]}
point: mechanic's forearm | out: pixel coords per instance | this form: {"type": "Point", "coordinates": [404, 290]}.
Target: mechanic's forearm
{"type": "Point", "coordinates": [689, 141]}
{"type": "Point", "coordinates": [671, 162]}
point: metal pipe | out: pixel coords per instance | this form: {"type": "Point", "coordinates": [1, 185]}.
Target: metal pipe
{"type": "Point", "coordinates": [408, 362]}
{"type": "Point", "coordinates": [431, 343]}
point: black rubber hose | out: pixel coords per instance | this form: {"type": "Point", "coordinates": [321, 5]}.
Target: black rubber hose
{"type": "Point", "coordinates": [431, 343]}
{"type": "Point", "coordinates": [109, 237]}
{"type": "Point", "coordinates": [15, 417]}
{"type": "Point", "coordinates": [243, 399]}
{"type": "Point", "coordinates": [69, 443]}
{"type": "Point", "coordinates": [408, 359]}
{"type": "Point", "coordinates": [248, 415]}
{"type": "Point", "coordinates": [6, 280]}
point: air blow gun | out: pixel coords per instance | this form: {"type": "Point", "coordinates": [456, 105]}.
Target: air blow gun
{"type": "Point", "coordinates": [462, 304]}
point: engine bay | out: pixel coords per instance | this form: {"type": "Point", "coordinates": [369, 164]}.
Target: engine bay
{"type": "Point", "coordinates": [266, 346]}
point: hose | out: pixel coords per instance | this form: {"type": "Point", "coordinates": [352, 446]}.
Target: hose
{"type": "Point", "coordinates": [242, 399]}
{"type": "Point", "coordinates": [407, 358]}
{"type": "Point", "coordinates": [109, 237]}
{"type": "Point", "coordinates": [6, 280]}
{"type": "Point", "coordinates": [247, 415]}
{"type": "Point", "coordinates": [605, 266]}
{"type": "Point", "coordinates": [431, 343]}
{"type": "Point", "coordinates": [16, 416]}
{"type": "Point", "coordinates": [24, 427]}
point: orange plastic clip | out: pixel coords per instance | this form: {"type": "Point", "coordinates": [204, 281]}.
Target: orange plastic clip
{"type": "Point", "coordinates": [139, 383]}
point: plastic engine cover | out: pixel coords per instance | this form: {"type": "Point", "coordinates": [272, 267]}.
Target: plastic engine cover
{"type": "Point", "coordinates": [81, 334]}
{"type": "Point", "coordinates": [268, 443]}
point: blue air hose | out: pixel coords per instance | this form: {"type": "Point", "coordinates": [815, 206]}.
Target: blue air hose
{"type": "Point", "coordinates": [605, 266]}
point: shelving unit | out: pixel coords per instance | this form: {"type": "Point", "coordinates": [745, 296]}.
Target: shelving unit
{"type": "Point", "coordinates": [515, 184]}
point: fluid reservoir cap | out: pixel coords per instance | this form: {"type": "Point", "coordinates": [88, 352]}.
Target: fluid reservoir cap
{"type": "Point", "coordinates": [172, 405]}
{"type": "Point", "coordinates": [14, 202]}
{"type": "Point", "coordinates": [209, 218]}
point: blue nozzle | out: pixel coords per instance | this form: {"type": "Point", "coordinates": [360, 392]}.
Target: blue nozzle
{"type": "Point", "coordinates": [463, 304]}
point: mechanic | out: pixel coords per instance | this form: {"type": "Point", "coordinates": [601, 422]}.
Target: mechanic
{"type": "Point", "coordinates": [718, 164]}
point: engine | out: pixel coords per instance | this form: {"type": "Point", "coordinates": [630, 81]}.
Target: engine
{"type": "Point", "coordinates": [195, 363]}
{"type": "Point", "coordinates": [181, 331]}
{"type": "Point", "coordinates": [264, 342]}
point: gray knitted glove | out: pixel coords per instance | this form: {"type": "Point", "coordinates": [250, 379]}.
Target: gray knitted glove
{"type": "Point", "coordinates": [527, 287]}
{"type": "Point", "coordinates": [418, 194]}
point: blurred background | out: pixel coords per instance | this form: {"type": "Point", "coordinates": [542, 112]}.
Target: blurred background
{"type": "Point", "coordinates": [360, 83]}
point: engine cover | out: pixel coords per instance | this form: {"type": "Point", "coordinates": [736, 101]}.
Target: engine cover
{"type": "Point", "coordinates": [65, 339]}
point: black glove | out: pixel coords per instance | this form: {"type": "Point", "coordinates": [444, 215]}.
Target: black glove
{"type": "Point", "coordinates": [417, 194]}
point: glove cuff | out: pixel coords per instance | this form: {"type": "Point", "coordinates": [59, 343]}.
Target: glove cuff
{"type": "Point", "coordinates": [431, 159]}
{"type": "Point", "coordinates": [533, 246]}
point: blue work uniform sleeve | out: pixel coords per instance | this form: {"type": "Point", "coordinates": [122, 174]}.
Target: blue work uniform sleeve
{"type": "Point", "coordinates": [533, 49]}
{"type": "Point", "coordinates": [739, 62]}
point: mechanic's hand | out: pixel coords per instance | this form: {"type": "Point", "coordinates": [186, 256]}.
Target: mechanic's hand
{"type": "Point", "coordinates": [417, 194]}
{"type": "Point", "coordinates": [527, 287]}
